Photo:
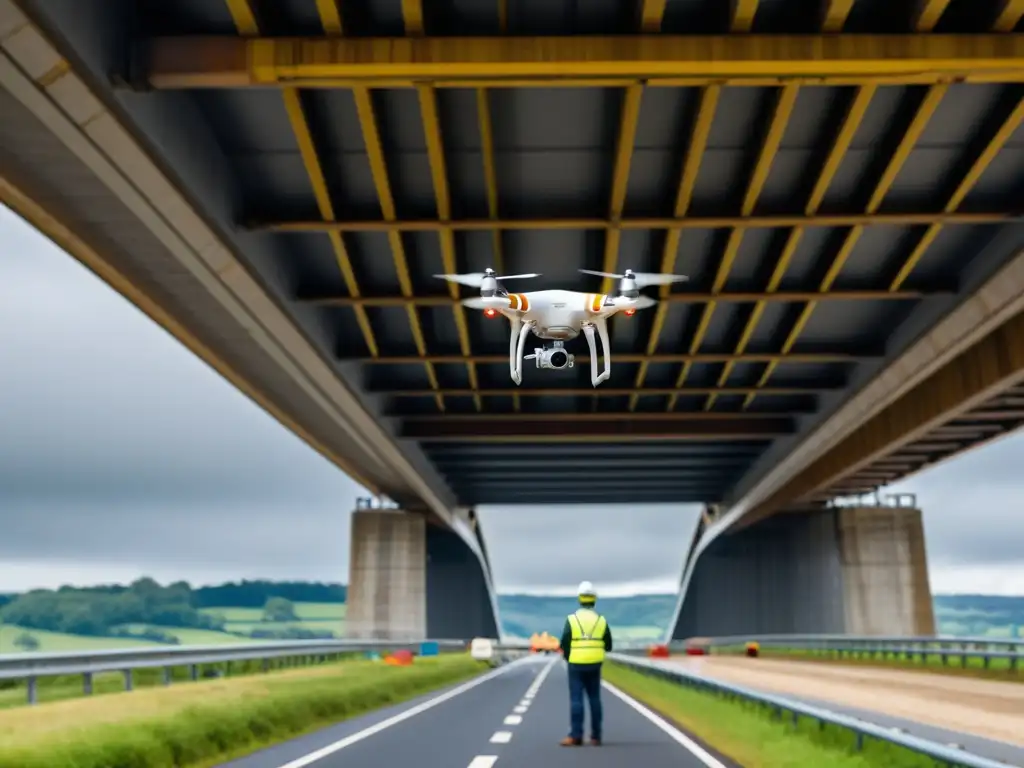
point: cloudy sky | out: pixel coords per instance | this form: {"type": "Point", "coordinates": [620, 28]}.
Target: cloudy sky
{"type": "Point", "coordinates": [122, 454]}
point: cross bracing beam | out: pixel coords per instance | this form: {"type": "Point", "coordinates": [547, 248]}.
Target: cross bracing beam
{"type": "Point", "coordinates": [692, 298]}
{"type": "Point", "coordinates": [625, 495]}
{"type": "Point", "coordinates": [610, 451]}
{"type": "Point", "coordinates": [812, 358]}
{"type": "Point", "coordinates": [604, 391]}
{"type": "Point", "coordinates": [672, 60]}
{"type": "Point", "coordinates": [575, 417]}
{"type": "Point", "coordinates": [673, 223]}
{"type": "Point", "coordinates": [572, 463]}
{"type": "Point", "coordinates": [992, 365]}
{"type": "Point", "coordinates": [470, 474]}
{"type": "Point", "coordinates": [529, 427]}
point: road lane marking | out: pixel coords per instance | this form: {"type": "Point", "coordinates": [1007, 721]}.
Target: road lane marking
{"type": "Point", "coordinates": [483, 761]}
{"type": "Point", "coordinates": [383, 725]}
{"type": "Point", "coordinates": [501, 737]}
{"type": "Point", "coordinates": [513, 720]}
{"type": "Point", "coordinates": [525, 702]}
{"type": "Point", "coordinates": [673, 733]}
{"type": "Point", "coordinates": [520, 710]}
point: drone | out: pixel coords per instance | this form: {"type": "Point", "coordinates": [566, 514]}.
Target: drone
{"type": "Point", "coordinates": [558, 316]}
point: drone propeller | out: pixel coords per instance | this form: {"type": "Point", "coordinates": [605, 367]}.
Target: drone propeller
{"type": "Point", "coordinates": [482, 279]}
{"type": "Point", "coordinates": [633, 281]}
{"type": "Point", "coordinates": [640, 302]}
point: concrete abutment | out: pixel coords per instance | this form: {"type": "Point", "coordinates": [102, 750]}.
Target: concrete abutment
{"type": "Point", "coordinates": [410, 578]}
{"type": "Point", "coordinates": [838, 570]}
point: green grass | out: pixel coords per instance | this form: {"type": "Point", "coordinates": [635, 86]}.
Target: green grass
{"type": "Point", "coordinates": [202, 724]}
{"type": "Point", "coordinates": [998, 669]}
{"type": "Point", "coordinates": [53, 642]}
{"type": "Point", "coordinates": [751, 736]}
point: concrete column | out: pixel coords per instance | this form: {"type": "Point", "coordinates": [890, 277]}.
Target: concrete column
{"type": "Point", "coordinates": [411, 578]}
{"type": "Point", "coordinates": [825, 571]}
{"type": "Point", "coordinates": [885, 572]}
{"type": "Point", "coordinates": [387, 576]}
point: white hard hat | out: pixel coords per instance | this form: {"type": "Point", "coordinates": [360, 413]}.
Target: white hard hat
{"type": "Point", "coordinates": [586, 589]}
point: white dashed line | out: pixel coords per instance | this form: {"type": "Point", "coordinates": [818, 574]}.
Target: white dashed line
{"type": "Point", "coordinates": [501, 737]}
{"type": "Point", "coordinates": [520, 710]}
{"type": "Point", "coordinates": [513, 720]}
{"type": "Point", "coordinates": [525, 702]}
{"type": "Point", "coordinates": [483, 761]}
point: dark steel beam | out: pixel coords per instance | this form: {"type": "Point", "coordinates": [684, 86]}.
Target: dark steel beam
{"type": "Point", "coordinates": [811, 358]}
{"type": "Point", "coordinates": [532, 428]}
{"type": "Point", "coordinates": [570, 463]}
{"type": "Point", "coordinates": [674, 224]}
{"type": "Point", "coordinates": [740, 297]}
{"type": "Point", "coordinates": [501, 418]}
{"type": "Point", "coordinates": [556, 497]}
{"type": "Point", "coordinates": [602, 391]}
{"type": "Point", "coordinates": [611, 451]}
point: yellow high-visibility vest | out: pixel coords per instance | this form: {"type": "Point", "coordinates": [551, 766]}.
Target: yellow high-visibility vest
{"type": "Point", "coordinates": [588, 628]}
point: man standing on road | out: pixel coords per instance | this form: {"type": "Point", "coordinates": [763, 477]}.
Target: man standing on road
{"type": "Point", "coordinates": [585, 640]}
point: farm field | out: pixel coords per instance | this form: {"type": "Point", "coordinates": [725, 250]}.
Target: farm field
{"type": "Point", "coordinates": [321, 617]}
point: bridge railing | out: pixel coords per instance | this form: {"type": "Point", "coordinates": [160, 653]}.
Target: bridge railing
{"type": "Point", "coordinates": [30, 667]}
{"type": "Point", "coordinates": [794, 711]}
{"type": "Point", "coordinates": [962, 649]}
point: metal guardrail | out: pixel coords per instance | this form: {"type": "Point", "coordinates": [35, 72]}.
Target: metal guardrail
{"type": "Point", "coordinates": [944, 648]}
{"type": "Point", "coordinates": [796, 710]}
{"type": "Point", "coordinates": [32, 666]}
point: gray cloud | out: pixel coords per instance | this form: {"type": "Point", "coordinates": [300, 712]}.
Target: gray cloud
{"type": "Point", "coordinates": [120, 453]}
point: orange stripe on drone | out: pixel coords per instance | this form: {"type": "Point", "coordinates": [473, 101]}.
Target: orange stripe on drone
{"type": "Point", "coordinates": [513, 301]}
{"type": "Point", "coordinates": [597, 303]}
{"type": "Point", "coordinates": [524, 303]}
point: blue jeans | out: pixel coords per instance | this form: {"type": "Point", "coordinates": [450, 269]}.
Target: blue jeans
{"type": "Point", "coordinates": [585, 678]}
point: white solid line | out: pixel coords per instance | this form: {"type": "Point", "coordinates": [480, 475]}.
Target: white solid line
{"type": "Point", "coordinates": [520, 710]}
{"type": "Point", "coordinates": [674, 733]}
{"type": "Point", "coordinates": [348, 741]}
{"type": "Point", "coordinates": [513, 720]}
{"type": "Point", "coordinates": [483, 761]}
{"type": "Point", "coordinates": [501, 737]}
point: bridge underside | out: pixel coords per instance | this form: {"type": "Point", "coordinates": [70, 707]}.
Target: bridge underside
{"type": "Point", "coordinates": [829, 208]}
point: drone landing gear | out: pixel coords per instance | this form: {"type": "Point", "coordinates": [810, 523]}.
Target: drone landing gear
{"type": "Point", "coordinates": [516, 343]}
{"type": "Point", "coordinates": [602, 329]}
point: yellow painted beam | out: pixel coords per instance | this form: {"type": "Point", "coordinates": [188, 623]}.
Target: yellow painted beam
{"type": "Point", "coordinates": [652, 13]}
{"type": "Point", "coordinates": [991, 366]}
{"type": "Point", "coordinates": [330, 16]}
{"type": "Point", "coordinates": [379, 170]}
{"type": "Point", "coordinates": [219, 62]}
{"type": "Point", "coordinates": [439, 174]}
{"type": "Point", "coordinates": [836, 14]}
{"type": "Point", "coordinates": [684, 195]}
{"type": "Point", "coordinates": [980, 165]}
{"type": "Point", "coordinates": [742, 15]}
{"type": "Point", "coordinates": [1010, 14]}
{"type": "Point", "coordinates": [852, 121]}
{"type": "Point", "coordinates": [928, 14]}
{"type": "Point", "coordinates": [245, 22]}
{"type": "Point", "coordinates": [924, 113]}
{"type": "Point", "coordinates": [620, 178]}
{"type": "Point", "coordinates": [784, 104]}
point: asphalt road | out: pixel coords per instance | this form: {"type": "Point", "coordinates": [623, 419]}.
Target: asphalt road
{"type": "Point", "coordinates": [515, 716]}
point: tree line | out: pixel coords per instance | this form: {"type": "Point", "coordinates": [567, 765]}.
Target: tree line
{"type": "Point", "coordinates": [104, 611]}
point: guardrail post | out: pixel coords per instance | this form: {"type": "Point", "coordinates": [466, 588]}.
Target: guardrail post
{"type": "Point", "coordinates": [87, 683]}
{"type": "Point", "coordinates": [33, 691]}
{"type": "Point", "coordinates": [128, 679]}
{"type": "Point", "coordinates": [266, 665]}
{"type": "Point", "coordinates": [167, 675]}
{"type": "Point", "coordinates": [193, 671]}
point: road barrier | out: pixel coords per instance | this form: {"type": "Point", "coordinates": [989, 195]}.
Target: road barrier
{"type": "Point", "coordinates": [32, 666]}
{"type": "Point", "coordinates": [796, 710]}
{"type": "Point", "coordinates": [838, 646]}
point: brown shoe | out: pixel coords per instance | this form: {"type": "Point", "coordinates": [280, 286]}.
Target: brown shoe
{"type": "Point", "coordinates": [569, 741]}
{"type": "Point", "coordinates": [595, 742]}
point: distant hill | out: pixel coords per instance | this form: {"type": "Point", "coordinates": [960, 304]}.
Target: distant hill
{"type": "Point", "coordinates": [639, 617]}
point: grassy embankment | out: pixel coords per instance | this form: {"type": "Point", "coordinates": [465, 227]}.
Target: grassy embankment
{"type": "Point", "coordinates": [751, 736]}
{"type": "Point", "coordinates": [205, 723]}
{"type": "Point", "coordinates": [998, 669]}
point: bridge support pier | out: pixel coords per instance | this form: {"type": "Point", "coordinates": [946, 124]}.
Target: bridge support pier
{"type": "Point", "coordinates": [411, 578]}
{"type": "Point", "coordinates": [848, 570]}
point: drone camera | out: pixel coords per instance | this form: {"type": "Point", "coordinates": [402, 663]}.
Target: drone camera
{"type": "Point", "coordinates": [555, 358]}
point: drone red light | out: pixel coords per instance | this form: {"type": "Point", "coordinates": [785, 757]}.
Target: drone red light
{"type": "Point", "coordinates": [630, 312]}
{"type": "Point", "coordinates": [490, 312]}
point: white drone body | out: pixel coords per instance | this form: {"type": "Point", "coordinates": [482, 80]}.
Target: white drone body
{"type": "Point", "coordinates": [559, 316]}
